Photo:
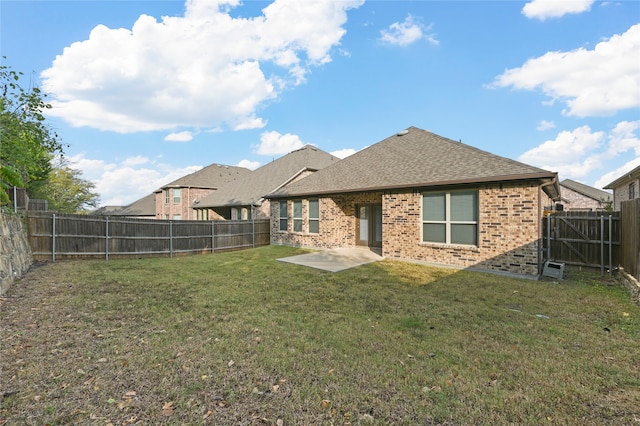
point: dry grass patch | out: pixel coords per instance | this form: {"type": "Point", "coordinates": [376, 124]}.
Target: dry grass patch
{"type": "Point", "coordinates": [239, 338]}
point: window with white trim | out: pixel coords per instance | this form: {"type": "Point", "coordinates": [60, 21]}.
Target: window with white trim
{"type": "Point", "coordinates": [284, 216]}
{"type": "Point", "coordinates": [297, 215]}
{"type": "Point", "coordinates": [450, 217]}
{"type": "Point", "coordinates": [166, 196]}
{"type": "Point", "coordinates": [314, 216]}
{"type": "Point", "coordinates": [176, 195]}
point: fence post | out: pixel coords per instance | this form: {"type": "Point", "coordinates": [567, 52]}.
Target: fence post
{"type": "Point", "coordinates": [53, 239]}
{"type": "Point", "coordinates": [213, 236]}
{"type": "Point", "coordinates": [253, 233]}
{"type": "Point", "coordinates": [610, 248]}
{"type": "Point", "coordinates": [602, 245]}
{"type": "Point", "coordinates": [549, 237]}
{"type": "Point", "coordinates": [170, 238]}
{"type": "Point", "coordinates": [106, 238]}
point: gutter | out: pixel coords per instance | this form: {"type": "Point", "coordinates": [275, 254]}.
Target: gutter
{"type": "Point", "coordinates": [506, 178]}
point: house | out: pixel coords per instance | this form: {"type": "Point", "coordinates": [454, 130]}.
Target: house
{"type": "Point", "coordinates": [243, 198]}
{"type": "Point", "coordinates": [577, 196]}
{"type": "Point", "coordinates": [422, 197]}
{"type": "Point", "coordinates": [175, 200]}
{"type": "Point", "coordinates": [144, 208]}
{"type": "Point", "coordinates": [626, 187]}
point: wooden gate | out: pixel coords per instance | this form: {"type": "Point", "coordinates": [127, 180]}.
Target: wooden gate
{"type": "Point", "coordinates": [630, 237]}
{"type": "Point", "coordinates": [583, 239]}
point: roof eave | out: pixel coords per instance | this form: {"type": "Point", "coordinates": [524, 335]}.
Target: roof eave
{"type": "Point", "coordinates": [555, 193]}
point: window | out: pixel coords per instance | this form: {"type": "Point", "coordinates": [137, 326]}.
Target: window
{"type": "Point", "coordinates": [177, 217]}
{"type": "Point", "coordinates": [314, 216]}
{"type": "Point", "coordinates": [632, 190]}
{"type": "Point", "coordinates": [234, 213]}
{"type": "Point", "coordinates": [450, 217]}
{"type": "Point", "coordinates": [297, 216]}
{"type": "Point", "coordinates": [166, 196]}
{"type": "Point", "coordinates": [176, 195]}
{"type": "Point", "coordinates": [284, 216]}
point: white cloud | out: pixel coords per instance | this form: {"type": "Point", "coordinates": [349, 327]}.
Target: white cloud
{"type": "Point", "coordinates": [407, 32]}
{"type": "Point", "coordinates": [543, 9]}
{"type": "Point", "coordinates": [274, 143]}
{"type": "Point", "coordinates": [615, 174]}
{"type": "Point", "coordinates": [138, 160]}
{"type": "Point", "coordinates": [579, 153]}
{"type": "Point", "coordinates": [343, 153]}
{"type": "Point", "coordinates": [121, 183]}
{"type": "Point", "coordinates": [567, 145]}
{"type": "Point", "coordinates": [205, 69]}
{"type": "Point", "coordinates": [184, 136]}
{"type": "Point", "coordinates": [545, 125]}
{"type": "Point", "coordinates": [247, 164]}
{"type": "Point", "coordinates": [594, 82]}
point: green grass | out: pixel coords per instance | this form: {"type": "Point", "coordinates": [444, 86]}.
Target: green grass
{"type": "Point", "coordinates": [239, 338]}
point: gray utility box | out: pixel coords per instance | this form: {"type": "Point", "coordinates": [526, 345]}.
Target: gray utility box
{"type": "Point", "coordinates": [553, 270]}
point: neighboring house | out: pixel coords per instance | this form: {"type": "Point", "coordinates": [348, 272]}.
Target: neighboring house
{"type": "Point", "coordinates": [144, 208]}
{"type": "Point", "coordinates": [175, 200]}
{"type": "Point", "coordinates": [243, 198]}
{"type": "Point", "coordinates": [577, 196]}
{"type": "Point", "coordinates": [626, 187]}
{"type": "Point", "coordinates": [107, 210]}
{"type": "Point", "coordinates": [419, 196]}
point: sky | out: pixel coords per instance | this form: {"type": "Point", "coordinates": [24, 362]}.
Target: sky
{"type": "Point", "coordinates": [144, 92]}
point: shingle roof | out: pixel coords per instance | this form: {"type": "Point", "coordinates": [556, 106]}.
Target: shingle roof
{"type": "Point", "coordinates": [213, 176]}
{"type": "Point", "coordinates": [587, 191]}
{"type": "Point", "coordinates": [251, 187]}
{"type": "Point", "coordinates": [145, 206]}
{"type": "Point", "coordinates": [414, 158]}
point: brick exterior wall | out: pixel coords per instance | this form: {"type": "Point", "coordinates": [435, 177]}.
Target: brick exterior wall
{"type": "Point", "coordinates": [509, 228]}
{"type": "Point", "coordinates": [621, 193]}
{"type": "Point", "coordinates": [187, 195]}
{"type": "Point", "coordinates": [578, 201]}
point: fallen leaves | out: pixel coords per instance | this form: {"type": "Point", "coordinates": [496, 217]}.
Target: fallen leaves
{"type": "Point", "coordinates": [167, 409]}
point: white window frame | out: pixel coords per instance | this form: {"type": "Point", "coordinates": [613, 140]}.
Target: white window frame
{"type": "Point", "coordinates": [312, 219]}
{"type": "Point", "coordinates": [448, 222]}
{"type": "Point", "coordinates": [284, 218]}
{"type": "Point", "coordinates": [298, 221]}
{"type": "Point", "coordinates": [177, 195]}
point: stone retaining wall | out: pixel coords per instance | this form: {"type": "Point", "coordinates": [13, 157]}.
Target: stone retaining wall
{"type": "Point", "coordinates": [15, 252]}
{"type": "Point", "coordinates": [631, 284]}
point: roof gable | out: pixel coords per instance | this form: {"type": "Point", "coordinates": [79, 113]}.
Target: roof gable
{"type": "Point", "coordinates": [413, 158]}
{"type": "Point", "coordinates": [586, 190]}
{"type": "Point", "coordinates": [625, 178]}
{"type": "Point", "coordinates": [213, 176]}
{"type": "Point", "coordinates": [250, 188]}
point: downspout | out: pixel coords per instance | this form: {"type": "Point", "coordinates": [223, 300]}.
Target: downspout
{"type": "Point", "coordinates": [540, 216]}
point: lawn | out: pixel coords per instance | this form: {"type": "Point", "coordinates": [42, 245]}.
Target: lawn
{"type": "Point", "coordinates": [240, 338]}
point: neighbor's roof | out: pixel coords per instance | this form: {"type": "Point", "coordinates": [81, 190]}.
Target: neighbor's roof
{"type": "Point", "coordinates": [625, 178]}
{"type": "Point", "coordinates": [213, 176]}
{"type": "Point", "coordinates": [587, 191]}
{"type": "Point", "coordinates": [145, 206]}
{"type": "Point", "coordinates": [251, 187]}
{"type": "Point", "coordinates": [415, 158]}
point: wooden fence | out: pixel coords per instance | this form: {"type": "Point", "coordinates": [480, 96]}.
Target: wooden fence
{"type": "Point", "coordinates": [630, 237]}
{"type": "Point", "coordinates": [583, 239]}
{"type": "Point", "coordinates": [57, 236]}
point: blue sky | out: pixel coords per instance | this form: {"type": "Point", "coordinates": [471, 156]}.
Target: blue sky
{"type": "Point", "coordinates": [147, 91]}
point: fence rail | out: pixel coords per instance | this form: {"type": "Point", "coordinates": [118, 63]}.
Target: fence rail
{"type": "Point", "coordinates": [56, 236]}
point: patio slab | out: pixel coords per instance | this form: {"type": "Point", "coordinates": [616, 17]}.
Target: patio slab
{"type": "Point", "coordinates": [335, 260]}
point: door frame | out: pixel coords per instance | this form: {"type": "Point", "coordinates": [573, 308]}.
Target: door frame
{"type": "Point", "coordinates": [373, 211]}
